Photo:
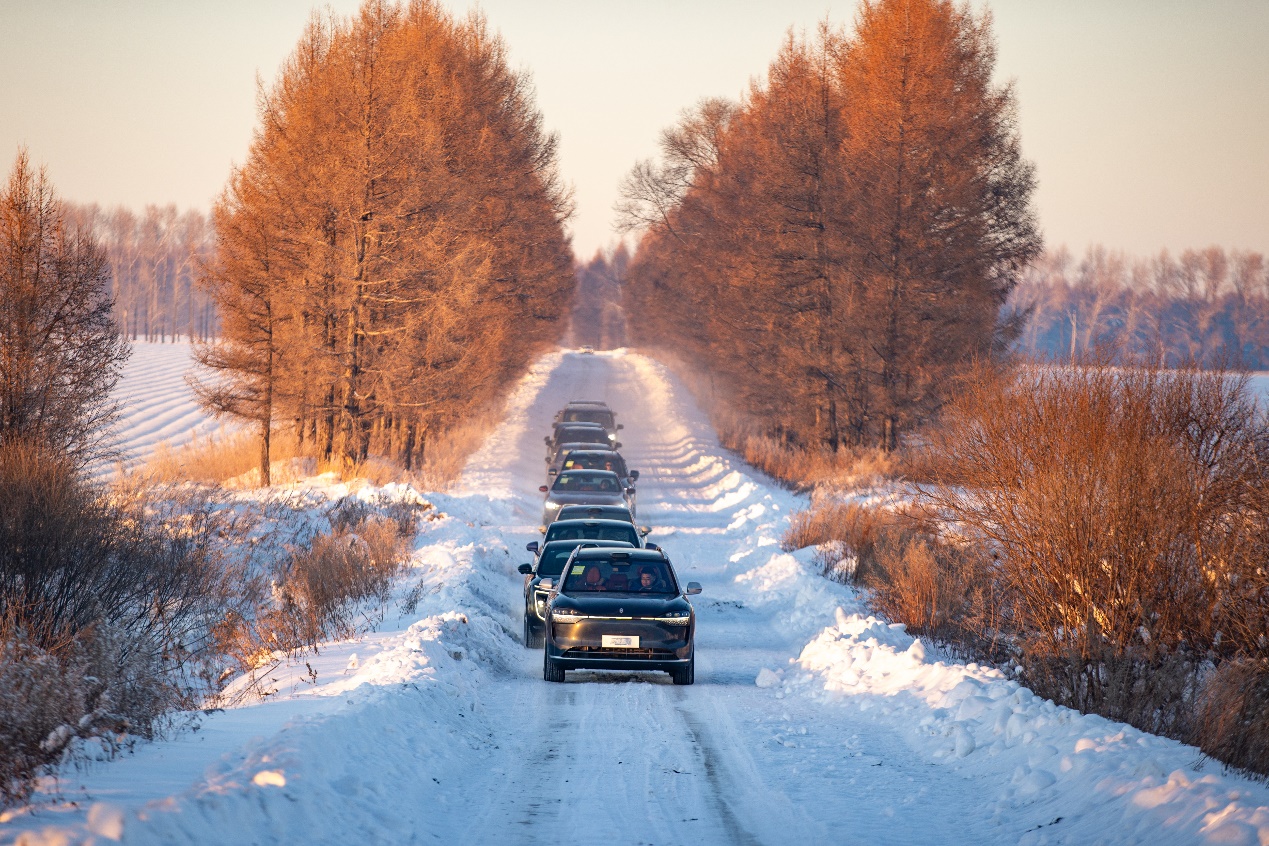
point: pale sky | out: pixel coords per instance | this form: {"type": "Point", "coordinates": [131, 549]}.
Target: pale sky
{"type": "Point", "coordinates": [1148, 120]}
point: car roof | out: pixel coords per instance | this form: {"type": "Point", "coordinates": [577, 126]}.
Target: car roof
{"type": "Point", "coordinates": [598, 521]}
{"type": "Point", "coordinates": [618, 512]}
{"type": "Point", "coordinates": [574, 542]}
{"type": "Point", "coordinates": [581, 403]}
{"type": "Point", "coordinates": [578, 424]}
{"type": "Point", "coordinates": [578, 471]}
{"type": "Point", "coordinates": [581, 446]}
{"type": "Point", "coordinates": [633, 554]}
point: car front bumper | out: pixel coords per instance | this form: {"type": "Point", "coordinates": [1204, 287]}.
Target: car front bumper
{"type": "Point", "coordinates": [662, 646]}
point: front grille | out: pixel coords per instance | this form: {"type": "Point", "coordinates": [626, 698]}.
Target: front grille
{"type": "Point", "coordinates": [611, 652]}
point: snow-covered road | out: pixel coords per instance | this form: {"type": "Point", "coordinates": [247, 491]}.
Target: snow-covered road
{"type": "Point", "coordinates": [810, 721]}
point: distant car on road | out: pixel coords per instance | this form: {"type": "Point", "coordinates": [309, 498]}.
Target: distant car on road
{"type": "Point", "coordinates": [586, 349]}
{"type": "Point", "coordinates": [589, 411]}
{"type": "Point", "coordinates": [617, 530]}
{"type": "Point", "coordinates": [586, 457]}
{"type": "Point", "coordinates": [595, 512]}
{"type": "Point", "coordinates": [585, 487]}
{"type": "Point", "coordinates": [539, 578]}
{"type": "Point", "coordinates": [586, 434]}
{"type": "Point", "coordinates": [619, 609]}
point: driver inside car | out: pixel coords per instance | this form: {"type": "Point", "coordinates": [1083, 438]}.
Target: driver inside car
{"type": "Point", "coordinates": [650, 581]}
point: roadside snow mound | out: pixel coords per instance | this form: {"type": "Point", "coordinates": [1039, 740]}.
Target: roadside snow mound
{"type": "Point", "coordinates": [977, 721]}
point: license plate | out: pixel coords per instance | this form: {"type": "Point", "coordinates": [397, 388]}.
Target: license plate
{"type": "Point", "coordinates": [620, 641]}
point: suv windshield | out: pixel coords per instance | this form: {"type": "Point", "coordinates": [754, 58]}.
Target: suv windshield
{"type": "Point", "coordinates": [580, 435]}
{"type": "Point", "coordinates": [595, 461]}
{"type": "Point", "coordinates": [588, 481]}
{"type": "Point", "coordinates": [593, 531]}
{"type": "Point", "coordinates": [589, 415]}
{"type": "Point", "coordinates": [615, 575]}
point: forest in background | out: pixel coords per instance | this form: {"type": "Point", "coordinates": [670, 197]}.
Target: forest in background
{"type": "Point", "coordinates": [154, 258]}
{"type": "Point", "coordinates": [1207, 306]}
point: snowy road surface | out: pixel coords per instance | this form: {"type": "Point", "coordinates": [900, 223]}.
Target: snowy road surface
{"type": "Point", "coordinates": [810, 721]}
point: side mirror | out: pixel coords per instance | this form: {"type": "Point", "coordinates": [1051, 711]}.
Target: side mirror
{"type": "Point", "coordinates": [645, 530]}
{"type": "Point", "coordinates": [634, 475]}
{"type": "Point", "coordinates": [547, 440]}
{"type": "Point", "coordinates": [619, 426]}
{"type": "Point", "coordinates": [630, 491]}
{"type": "Point", "coordinates": [525, 569]}
{"type": "Point", "coordinates": [617, 445]}
{"type": "Point", "coordinates": [552, 472]}
{"type": "Point", "coordinates": [693, 588]}
{"type": "Point", "coordinates": [532, 546]}
{"type": "Point", "coordinates": [547, 584]}
{"type": "Point", "coordinates": [544, 488]}
{"type": "Point", "coordinates": [651, 546]}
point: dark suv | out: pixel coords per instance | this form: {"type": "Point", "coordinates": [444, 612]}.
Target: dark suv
{"type": "Point", "coordinates": [539, 577]}
{"type": "Point", "coordinates": [620, 609]}
{"type": "Point", "coordinates": [589, 411]}
{"type": "Point", "coordinates": [583, 434]}
{"type": "Point", "coordinates": [615, 530]}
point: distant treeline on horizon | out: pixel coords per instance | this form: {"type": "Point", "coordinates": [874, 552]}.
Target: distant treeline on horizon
{"type": "Point", "coordinates": [1207, 306]}
{"type": "Point", "coordinates": [154, 258]}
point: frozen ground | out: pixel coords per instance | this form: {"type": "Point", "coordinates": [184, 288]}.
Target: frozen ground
{"type": "Point", "coordinates": [810, 721]}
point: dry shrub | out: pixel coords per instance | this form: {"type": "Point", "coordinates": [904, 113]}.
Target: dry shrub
{"type": "Point", "coordinates": [1127, 510]}
{"type": "Point", "coordinates": [848, 535]}
{"type": "Point", "coordinates": [226, 456]}
{"type": "Point", "coordinates": [803, 468]}
{"type": "Point", "coordinates": [105, 603]}
{"type": "Point", "coordinates": [1232, 723]}
{"type": "Point", "coordinates": [328, 587]}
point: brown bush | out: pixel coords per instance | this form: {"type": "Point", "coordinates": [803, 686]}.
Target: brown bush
{"type": "Point", "coordinates": [219, 458]}
{"type": "Point", "coordinates": [1127, 510]}
{"type": "Point", "coordinates": [105, 601]}
{"type": "Point", "coordinates": [321, 590]}
{"type": "Point", "coordinates": [1232, 724]}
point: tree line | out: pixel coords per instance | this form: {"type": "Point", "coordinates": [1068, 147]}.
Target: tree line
{"type": "Point", "coordinates": [392, 253]}
{"type": "Point", "coordinates": [1206, 306]}
{"type": "Point", "coordinates": [154, 260]}
{"type": "Point", "coordinates": [836, 245]}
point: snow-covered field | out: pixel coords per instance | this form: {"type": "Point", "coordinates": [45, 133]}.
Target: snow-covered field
{"type": "Point", "coordinates": [810, 721]}
{"type": "Point", "coordinates": [155, 403]}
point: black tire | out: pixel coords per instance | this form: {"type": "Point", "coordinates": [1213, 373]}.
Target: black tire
{"type": "Point", "coordinates": [551, 671]}
{"type": "Point", "coordinates": [532, 639]}
{"type": "Point", "coordinates": [685, 674]}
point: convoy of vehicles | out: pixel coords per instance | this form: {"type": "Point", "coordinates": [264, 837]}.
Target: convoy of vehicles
{"type": "Point", "coordinates": [598, 595]}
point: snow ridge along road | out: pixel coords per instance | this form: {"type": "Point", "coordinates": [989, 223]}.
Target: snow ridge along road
{"type": "Point", "coordinates": [810, 721]}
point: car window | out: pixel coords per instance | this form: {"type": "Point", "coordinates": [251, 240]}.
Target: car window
{"type": "Point", "coordinates": [583, 481]}
{"type": "Point", "coordinates": [589, 415]}
{"type": "Point", "coordinates": [571, 435]}
{"type": "Point", "coordinates": [552, 561]}
{"type": "Point", "coordinates": [612, 576]}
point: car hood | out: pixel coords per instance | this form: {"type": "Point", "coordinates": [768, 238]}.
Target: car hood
{"type": "Point", "coordinates": [622, 604]}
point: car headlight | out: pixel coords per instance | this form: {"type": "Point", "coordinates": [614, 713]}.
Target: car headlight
{"type": "Point", "coordinates": [551, 506]}
{"type": "Point", "coordinates": [676, 618]}
{"type": "Point", "coordinates": [566, 617]}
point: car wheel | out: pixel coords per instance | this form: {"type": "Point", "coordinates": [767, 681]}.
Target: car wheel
{"type": "Point", "coordinates": [684, 675]}
{"type": "Point", "coordinates": [532, 639]}
{"type": "Point", "coordinates": [551, 671]}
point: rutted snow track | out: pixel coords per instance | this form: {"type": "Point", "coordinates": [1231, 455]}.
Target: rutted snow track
{"type": "Point", "coordinates": [443, 730]}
